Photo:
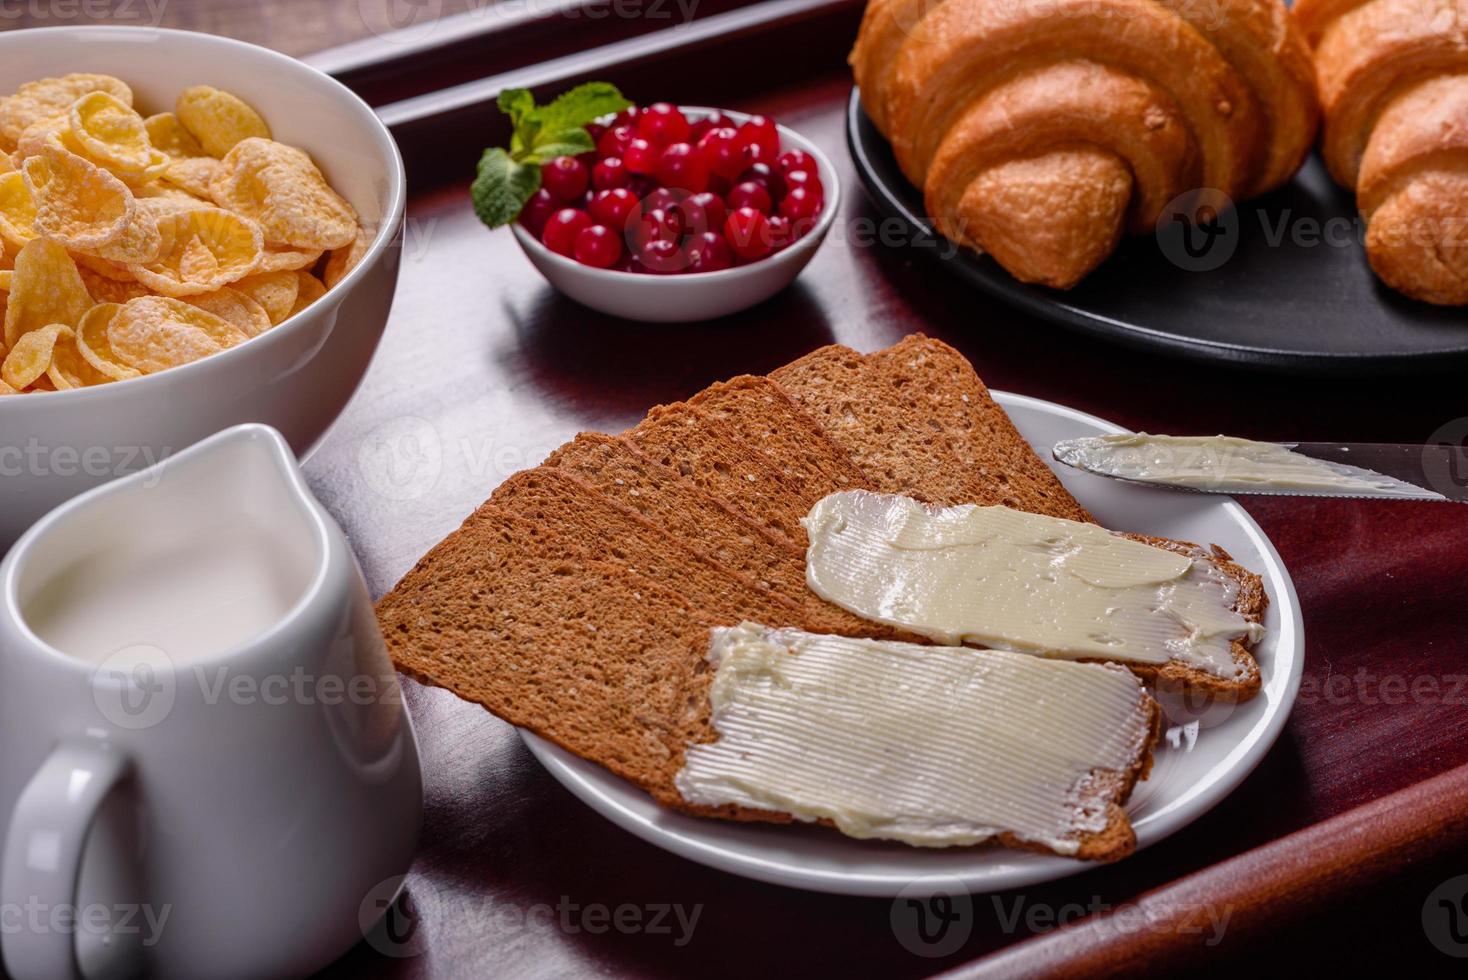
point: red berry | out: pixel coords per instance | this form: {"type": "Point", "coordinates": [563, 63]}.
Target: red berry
{"type": "Point", "coordinates": [537, 211]}
{"type": "Point", "coordinates": [561, 230]}
{"type": "Point", "coordinates": [595, 130]}
{"type": "Point", "coordinates": [713, 208]}
{"type": "Point", "coordinates": [800, 205]}
{"type": "Point", "coordinates": [564, 177]}
{"type": "Point", "coordinates": [796, 160]}
{"type": "Point", "coordinates": [781, 232]}
{"type": "Point", "coordinates": [641, 157]}
{"type": "Point", "coordinates": [747, 232]}
{"type": "Point", "coordinates": [613, 206]}
{"type": "Point", "coordinates": [761, 173]}
{"type": "Point", "coordinates": [598, 247]}
{"type": "Point", "coordinates": [683, 167]}
{"type": "Point", "coordinates": [761, 132]}
{"type": "Point", "coordinates": [749, 195]}
{"type": "Point", "coordinates": [610, 172]}
{"type": "Point", "coordinates": [662, 257]}
{"type": "Point", "coordinates": [709, 252]}
{"type": "Point", "coordinates": [627, 117]}
{"type": "Point", "coordinates": [662, 197]}
{"type": "Point", "coordinates": [628, 263]}
{"type": "Point", "coordinates": [723, 151]}
{"type": "Point", "coordinates": [657, 225]}
{"type": "Point", "coordinates": [806, 179]}
{"type": "Point", "coordinates": [613, 143]}
{"type": "Point", "coordinates": [662, 124]}
{"type": "Point", "coordinates": [692, 219]}
{"type": "Point", "coordinates": [642, 185]}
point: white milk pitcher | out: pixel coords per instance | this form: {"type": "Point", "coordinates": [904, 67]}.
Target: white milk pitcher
{"type": "Point", "coordinates": [206, 767]}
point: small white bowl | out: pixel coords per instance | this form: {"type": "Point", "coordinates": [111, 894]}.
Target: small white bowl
{"type": "Point", "coordinates": [297, 376]}
{"type": "Point", "coordinates": [697, 295]}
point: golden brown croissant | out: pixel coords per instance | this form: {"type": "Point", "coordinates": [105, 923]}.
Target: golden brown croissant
{"type": "Point", "coordinates": [1039, 130]}
{"type": "Point", "coordinates": [1393, 80]}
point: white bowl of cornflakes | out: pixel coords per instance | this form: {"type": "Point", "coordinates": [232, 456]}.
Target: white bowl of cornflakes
{"type": "Point", "coordinates": [166, 282]}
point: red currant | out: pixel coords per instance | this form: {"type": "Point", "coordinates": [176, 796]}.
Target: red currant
{"type": "Point", "coordinates": [800, 205]}
{"type": "Point", "coordinates": [627, 117]}
{"type": "Point", "coordinates": [662, 124]}
{"type": "Point", "coordinates": [723, 151]}
{"type": "Point", "coordinates": [761, 173]}
{"type": "Point", "coordinates": [662, 197]}
{"type": "Point", "coordinates": [608, 173]}
{"type": "Point", "coordinates": [709, 252]}
{"type": "Point", "coordinates": [564, 177]}
{"type": "Point", "coordinates": [595, 130]}
{"type": "Point", "coordinates": [806, 179]}
{"type": "Point", "coordinates": [713, 208]}
{"type": "Point", "coordinates": [657, 225]}
{"type": "Point", "coordinates": [561, 230]}
{"type": "Point", "coordinates": [641, 157]}
{"type": "Point", "coordinates": [781, 232]}
{"type": "Point", "coordinates": [628, 263]}
{"type": "Point", "coordinates": [537, 211]}
{"type": "Point", "coordinates": [613, 206]}
{"type": "Point", "coordinates": [613, 143]}
{"type": "Point", "coordinates": [747, 232]}
{"type": "Point", "coordinates": [796, 160]}
{"type": "Point", "coordinates": [761, 132]}
{"type": "Point", "coordinates": [683, 167]}
{"type": "Point", "coordinates": [597, 247]}
{"type": "Point", "coordinates": [749, 195]}
{"type": "Point", "coordinates": [692, 219]}
{"type": "Point", "coordinates": [662, 257]}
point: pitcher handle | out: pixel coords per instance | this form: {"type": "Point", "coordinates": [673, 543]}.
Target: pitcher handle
{"type": "Point", "coordinates": [43, 851]}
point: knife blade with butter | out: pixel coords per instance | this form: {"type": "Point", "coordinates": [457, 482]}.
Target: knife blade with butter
{"type": "Point", "coordinates": [1225, 464]}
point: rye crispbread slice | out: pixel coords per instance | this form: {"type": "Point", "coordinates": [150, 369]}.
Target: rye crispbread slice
{"type": "Point", "coordinates": [873, 399]}
{"type": "Point", "coordinates": [707, 526]}
{"type": "Point", "coordinates": [509, 615]}
{"type": "Point", "coordinates": [762, 415]}
{"type": "Point", "coordinates": [621, 536]}
{"type": "Point", "coordinates": [710, 454]}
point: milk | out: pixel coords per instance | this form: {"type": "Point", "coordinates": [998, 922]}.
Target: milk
{"type": "Point", "coordinates": [197, 596]}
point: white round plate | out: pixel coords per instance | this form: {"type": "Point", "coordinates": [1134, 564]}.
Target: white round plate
{"type": "Point", "coordinates": [1202, 758]}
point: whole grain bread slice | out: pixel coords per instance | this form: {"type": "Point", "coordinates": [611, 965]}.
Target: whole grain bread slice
{"type": "Point", "coordinates": [900, 451]}
{"type": "Point", "coordinates": [710, 454]}
{"type": "Point", "coordinates": [619, 535]}
{"type": "Point", "coordinates": [937, 382]}
{"type": "Point", "coordinates": [768, 421]}
{"type": "Point", "coordinates": [707, 526]}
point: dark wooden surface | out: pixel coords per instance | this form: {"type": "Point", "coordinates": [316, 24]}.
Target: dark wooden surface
{"type": "Point", "coordinates": [484, 369]}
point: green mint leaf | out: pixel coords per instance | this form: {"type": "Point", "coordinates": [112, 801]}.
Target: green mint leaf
{"type": "Point", "coordinates": [517, 103]}
{"type": "Point", "coordinates": [546, 145]}
{"type": "Point", "coordinates": [581, 105]}
{"type": "Point", "coordinates": [502, 187]}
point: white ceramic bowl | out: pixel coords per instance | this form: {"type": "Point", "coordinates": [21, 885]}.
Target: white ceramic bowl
{"type": "Point", "coordinates": [698, 295]}
{"type": "Point", "coordinates": [296, 377]}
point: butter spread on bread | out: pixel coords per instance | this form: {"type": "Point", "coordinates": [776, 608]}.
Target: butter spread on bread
{"type": "Point", "coordinates": [932, 746]}
{"type": "Point", "coordinates": [1003, 578]}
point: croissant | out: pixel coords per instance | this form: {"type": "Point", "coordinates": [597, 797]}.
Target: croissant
{"type": "Point", "coordinates": [1393, 77]}
{"type": "Point", "coordinates": [1040, 130]}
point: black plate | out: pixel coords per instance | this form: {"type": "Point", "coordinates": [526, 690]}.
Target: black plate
{"type": "Point", "coordinates": [1267, 290]}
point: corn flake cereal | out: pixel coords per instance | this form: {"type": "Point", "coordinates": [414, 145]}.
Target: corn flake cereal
{"type": "Point", "coordinates": [157, 332]}
{"type": "Point", "coordinates": [131, 244]}
{"type": "Point", "coordinates": [52, 97]}
{"type": "Point", "coordinates": [281, 188]}
{"type": "Point", "coordinates": [30, 356]}
{"type": "Point", "coordinates": [217, 119]}
{"type": "Point", "coordinates": [202, 250]}
{"type": "Point", "coordinates": [234, 307]}
{"type": "Point", "coordinates": [45, 289]}
{"type": "Point", "coordinates": [94, 345]}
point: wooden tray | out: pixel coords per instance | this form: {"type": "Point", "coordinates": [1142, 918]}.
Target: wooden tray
{"type": "Point", "coordinates": [484, 369]}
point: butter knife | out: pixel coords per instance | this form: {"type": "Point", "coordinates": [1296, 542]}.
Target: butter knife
{"type": "Point", "coordinates": [1224, 464]}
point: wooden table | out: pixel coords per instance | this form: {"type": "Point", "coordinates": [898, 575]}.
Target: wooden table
{"type": "Point", "coordinates": [484, 369]}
